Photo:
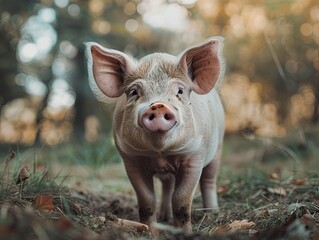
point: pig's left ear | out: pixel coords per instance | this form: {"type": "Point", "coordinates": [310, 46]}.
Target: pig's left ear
{"type": "Point", "coordinates": [204, 64]}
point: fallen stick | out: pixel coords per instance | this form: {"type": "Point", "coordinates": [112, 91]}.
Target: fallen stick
{"type": "Point", "coordinates": [140, 227]}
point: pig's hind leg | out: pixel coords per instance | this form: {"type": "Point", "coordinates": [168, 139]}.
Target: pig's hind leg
{"type": "Point", "coordinates": [208, 185]}
{"type": "Point", "coordinates": [168, 185]}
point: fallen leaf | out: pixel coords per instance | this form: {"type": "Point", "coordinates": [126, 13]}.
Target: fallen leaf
{"type": "Point", "coordinates": [277, 190]}
{"type": "Point", "coordinates": [291, 229]}
{"type": "Point", "coordinates": [44, 202]}
{"type": "Point", "coordinates": [222, 189]}
{"type": "Point", "coordinates": [220, 229]}
{"type": "Point", "coordinates": [234, 226]}
{"type": "Point", "coordinates": [242, 224]}
{"type": "Point", "coordinates": [274, 176]}
{"type": "Point", "coordinates": [6, 230]}
{"type": "Point", "coordinates": [307, 219]}
{"type": "Point", "coordinates": [64, 224]}
{"type": "Point", "coordinates": [298, 181]}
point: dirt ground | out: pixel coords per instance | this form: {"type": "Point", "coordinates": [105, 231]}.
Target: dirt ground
{"type": "Point", "coordinates": [259, 198]}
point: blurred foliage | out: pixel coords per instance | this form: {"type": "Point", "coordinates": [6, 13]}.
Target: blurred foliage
{"type": "Point", "coordinates": [271, 48]}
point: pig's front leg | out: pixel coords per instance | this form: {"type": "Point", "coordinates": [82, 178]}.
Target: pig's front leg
{"type": "Point", "coordinates": [142, 181]}
{"type": "Point", "coordinates": [186, 181]}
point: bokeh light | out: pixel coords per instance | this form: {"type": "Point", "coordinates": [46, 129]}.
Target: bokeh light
{"type": "Point", "coordinates": [172, 17]}
{"type": "Point", "coordinates": [271, 50]}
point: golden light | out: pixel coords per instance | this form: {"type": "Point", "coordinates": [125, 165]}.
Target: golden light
{"type": "Point", "coordinates": [92, 128]}
{"type": "Point", "coordinates": [129, 8]}
{"type": "Point", "coordinates": [306, 29]}
{"type": "Point", "coordinates": [209, 8]}
{"type": "Point", "coordinates": [314, 13]}
{"type": "Point", "coordinates": [316, 32]}
{"type": "Point", "coordinates": [298, 6]}
{"type": "Point", "coordinates": [101, 26]}
{"type": "Point", "coordinates": [291, 66]}
{"type": "Point", "coordinates": [244, 107]}
{"type": "Point", "coordinates": [56, 127]}
{"type": "Point", "coordinates": [256, 21]}
{"type": "Point", "coordinates": [96, 7]}
{"type": "Point", "coordinates": [18, 121]}
{"type": "Point", "coordinates": [232, 8]}
{"type": "Point", "coordinates": [301, 105]}
{"type": "Point", "coordinates": [237, 25]}
{"type": "Point", "coordinates": [131, 25]}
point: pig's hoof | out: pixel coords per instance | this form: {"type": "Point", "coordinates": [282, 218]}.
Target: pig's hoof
{"type": "Point", "coordinates": [166, 218]}
{"type": "Point", "coordinates": [154, 232]}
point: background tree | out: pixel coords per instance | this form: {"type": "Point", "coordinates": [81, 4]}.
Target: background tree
{"type": "Point", "coordinates": [271, 50]}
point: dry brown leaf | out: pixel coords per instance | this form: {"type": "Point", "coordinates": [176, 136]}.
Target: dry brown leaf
{"type": "Point", "coordinates": [6, 230]}
{"type": "Point", "coordinates": [307, 219]}
{"type": "Point", "coordinates": [222, 189]}
{"type": "Point", "coordinates": [274, 176]}
{"type": "Point", "coordinates": [44, 202]}
{"type": "Point", "coordinates": [241, 224]}
{"type": "Point", "coordinates": [298, 181]}
{"type": "Point", "coordinates": [234, 226]}
{"type": "Point", "coordinates": [64, 224]}
{"type": "Point", "coordinates": [277, 190]}
{"type": "Point", "coordinates": [220, 229]}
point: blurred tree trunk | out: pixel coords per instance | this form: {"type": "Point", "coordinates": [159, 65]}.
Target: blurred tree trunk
{"type": "Point", "coordinates": [83, 103]}
{"type": "Point", "coordinates": [8, 62]}
{"type": "Point", "coordinates": [315, 116]}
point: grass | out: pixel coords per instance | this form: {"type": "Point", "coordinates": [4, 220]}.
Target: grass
{"type": "Point", "coordinates": [273, 184]}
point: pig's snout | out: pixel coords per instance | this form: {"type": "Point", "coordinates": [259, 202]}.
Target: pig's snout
{"type": "Point", "coordinates": [158, 118]}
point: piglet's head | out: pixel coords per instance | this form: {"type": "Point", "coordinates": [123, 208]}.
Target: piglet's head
{"type": "Point", "coordinates": [156, 91]}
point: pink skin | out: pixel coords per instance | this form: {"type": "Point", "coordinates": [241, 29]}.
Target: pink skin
{"type": "Point", "coordinates": [158, 118]}
{"type": "Point", "coordinates": [168, 123]}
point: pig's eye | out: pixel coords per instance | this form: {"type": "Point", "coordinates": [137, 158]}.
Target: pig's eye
{"type": "Point", "coordinates": [133, 92]}
{"type": "Point", "coordinates": [180, 91]}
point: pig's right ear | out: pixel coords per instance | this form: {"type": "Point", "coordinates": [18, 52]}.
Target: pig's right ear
{"type": "Point", "coordinates": [204, 65]}
{"type": "Point", "coordinates": [107, 67]}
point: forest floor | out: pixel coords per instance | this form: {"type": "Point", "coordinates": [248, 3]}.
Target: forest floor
{"type": "Point", "coordinates": [267, 189]}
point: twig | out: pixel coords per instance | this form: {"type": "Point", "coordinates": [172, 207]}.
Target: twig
{"type": "Point", "coordinates": [201, 221]}
{"type": "Point", "coordinates": [273, 203]}
{"type": "Point", "coordinates": [289, 84]}
{"type": "Point", "coordinates": [61, 212]}
{"type": "Point", "coordinates": [140, 227]}
{"type": "Point", "coordinates": [6, 162]}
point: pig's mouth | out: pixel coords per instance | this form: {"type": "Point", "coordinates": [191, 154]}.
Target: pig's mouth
{"type": "Point", "coordinates": [164, 131]}
{"type": "Point", "coordinates": [159, 130]}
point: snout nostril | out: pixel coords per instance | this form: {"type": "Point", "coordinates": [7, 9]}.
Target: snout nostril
{"type": "Point", "coordinates": [167, 116]}
{"type": "Point", "coordinates": [151, 117]}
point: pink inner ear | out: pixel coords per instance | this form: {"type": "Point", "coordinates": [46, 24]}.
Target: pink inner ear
{"type": "Point", "coordinates": [203, 66]}
{"type": "Point", "coordinates": [108, 71]}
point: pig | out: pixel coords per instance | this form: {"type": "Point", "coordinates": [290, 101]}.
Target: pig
{"type": "Point", "coordinates": [168, 122]}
